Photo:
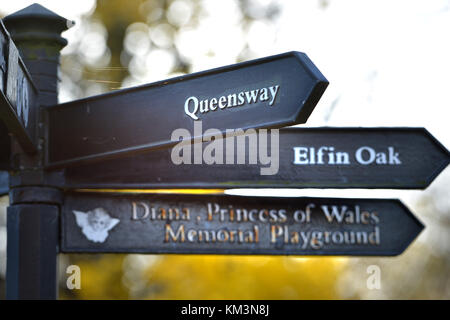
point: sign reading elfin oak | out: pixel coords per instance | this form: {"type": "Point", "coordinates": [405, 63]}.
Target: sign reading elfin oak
{"type": "Point", "coordinates": [407, 158]}
{"type": "Point", "coordinates": [235, 225]}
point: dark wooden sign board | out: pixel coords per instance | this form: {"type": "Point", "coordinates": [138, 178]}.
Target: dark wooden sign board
{"type": "Point", "coordinates": [398, 158]}
{"type": "Point", "coordinates": [18, 94]}
{"type": "Point", "coordinates": [222, 224]}
{"type": "Point", "coordinates": [270, 92]}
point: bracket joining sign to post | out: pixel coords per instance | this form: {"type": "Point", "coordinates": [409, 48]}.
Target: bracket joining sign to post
{"type": "Point", "coordinates": [124, 140]}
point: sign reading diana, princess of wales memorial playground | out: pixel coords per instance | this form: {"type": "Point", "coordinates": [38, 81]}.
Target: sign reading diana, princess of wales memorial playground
{"type": "Point", "coordinates": [222, 224]}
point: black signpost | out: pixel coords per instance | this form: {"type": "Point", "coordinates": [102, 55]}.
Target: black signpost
{"type": "Point", "coordinates": [397, 158]}
{"type": "Point", "coordinates": [33, 214]}
{"type": "Point", "coordinates": [193, 131]}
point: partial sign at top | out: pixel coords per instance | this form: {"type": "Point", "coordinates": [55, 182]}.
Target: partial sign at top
{"type": "Point", "coordinates": [18, 94]}
{"type": "Point", "coordinates": [271, 92]}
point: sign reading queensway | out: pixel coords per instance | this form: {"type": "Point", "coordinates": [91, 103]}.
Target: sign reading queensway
{"type": "Point", "coordinates": [270, 92]}
{"type": "Point", "coordinates": [221, 224]}
{"type": "Point", "coordinates": [400, 158]}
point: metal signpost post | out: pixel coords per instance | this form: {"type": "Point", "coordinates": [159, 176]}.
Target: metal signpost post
{"type": "Point", "coordinates": [121, 140]}
{"type": "Point", "coordinates": [33, 214]}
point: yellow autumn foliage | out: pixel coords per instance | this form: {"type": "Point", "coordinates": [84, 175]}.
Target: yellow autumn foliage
{"type": "Point", "coordinates": [205, 277]}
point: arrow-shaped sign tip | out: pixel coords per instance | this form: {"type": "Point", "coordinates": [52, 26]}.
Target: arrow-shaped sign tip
{"type": "Point", "coordinates": [321, 83]}
{"type": "Point", "coordinates": [412, 228]}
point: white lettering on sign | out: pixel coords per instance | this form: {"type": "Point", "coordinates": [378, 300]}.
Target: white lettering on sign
{"type": "Point", "coordinates": [367, 155]}
{"type": "Point", "coordinates": [327, 155]}
{"type": "Point", "coordinates": [227, 223]}
{"type": "Point", "coordinates": [194, 106]}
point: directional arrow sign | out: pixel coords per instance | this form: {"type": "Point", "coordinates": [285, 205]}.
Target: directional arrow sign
{"type": "Point", "coordinates": [235, 225]}
{"type": "Point", "coordinates": [18, 94]}
{"type": "Point", "coordinates": [400, 158]}
{"type": "Point", "coordinates": [270, 92]}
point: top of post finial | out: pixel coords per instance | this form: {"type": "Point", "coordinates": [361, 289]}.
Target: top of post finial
{"type": "Point", "coordinates": [36, 11]}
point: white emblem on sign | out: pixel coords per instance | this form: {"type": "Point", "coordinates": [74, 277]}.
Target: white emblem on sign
{"type": "Point", "coordinates": [95, 224]}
